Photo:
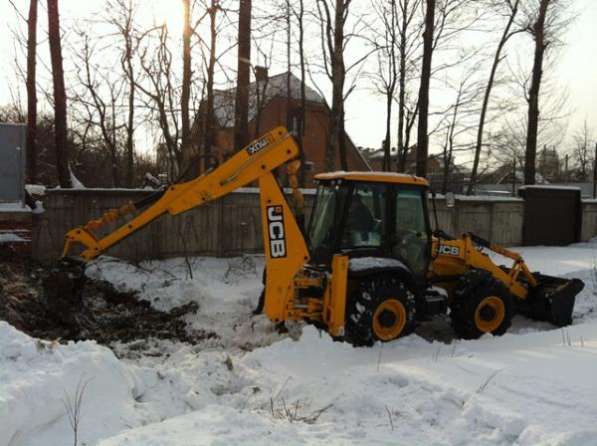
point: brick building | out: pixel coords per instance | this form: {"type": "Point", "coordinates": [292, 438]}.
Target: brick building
{"type": "Point", "coordinates": [268, 107]}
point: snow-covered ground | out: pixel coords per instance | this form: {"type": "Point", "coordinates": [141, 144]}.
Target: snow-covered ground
{"type": "Point", "coordinates": [251, 385]}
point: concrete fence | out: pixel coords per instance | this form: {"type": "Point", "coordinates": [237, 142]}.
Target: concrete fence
{"type": "Point", "coordinates": [232, 225]}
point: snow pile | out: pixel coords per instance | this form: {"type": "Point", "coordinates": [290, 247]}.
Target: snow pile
{"type": "Point", "coordinates": [495, 391]}
{"type": "Point", "coordinates": [226, 291]}
{"type": "Point", "coordinates": [535, 385]}
{"type": "Point", "coordinates": [38, 378]}
{"type": "Point", "coordinates": [75, 182]}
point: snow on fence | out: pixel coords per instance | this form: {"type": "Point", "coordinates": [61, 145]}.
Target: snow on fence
{"type": "Point", "coordinates": [232, 226]}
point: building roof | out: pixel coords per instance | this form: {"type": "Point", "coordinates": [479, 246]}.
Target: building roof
{"type": "Point", "coordinates": [224, 100]}
{"type": "Point", "coordinates": [380, 177]}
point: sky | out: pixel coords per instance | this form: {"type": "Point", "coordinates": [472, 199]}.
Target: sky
{"type": "Point", "coordinates": [575, 65]}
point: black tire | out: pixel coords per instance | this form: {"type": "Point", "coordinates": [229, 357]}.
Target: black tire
{"type": "Point", "coordinates": [370, 295]}
{"type": "Point", "coordinates": [481, 304]}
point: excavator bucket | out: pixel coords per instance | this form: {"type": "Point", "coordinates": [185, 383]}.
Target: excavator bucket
{"type": "Point", "coordinates": [552, 300]}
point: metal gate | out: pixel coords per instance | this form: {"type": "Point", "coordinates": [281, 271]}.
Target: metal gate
{"type": "Point", "coordinates": [552, 215]}
{"type": "Point", "coordinates": [12, 162]}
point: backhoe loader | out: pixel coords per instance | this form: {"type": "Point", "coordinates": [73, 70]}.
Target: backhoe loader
{"type": "Point", "coordinates": [368, 267]}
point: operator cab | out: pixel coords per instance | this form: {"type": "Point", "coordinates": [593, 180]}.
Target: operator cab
{"type": "Point", "coordinates": [371, 214]}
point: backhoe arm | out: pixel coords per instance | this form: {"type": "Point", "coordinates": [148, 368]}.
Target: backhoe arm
{"type": "Point", "coordinates": [252, 163]}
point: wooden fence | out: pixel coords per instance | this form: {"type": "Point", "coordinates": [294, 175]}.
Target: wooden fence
{"type": "Point", "coordinates": [232, 226]}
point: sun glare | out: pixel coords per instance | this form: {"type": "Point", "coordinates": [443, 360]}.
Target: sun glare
{"type": "Point", "coordinates": [169, 13]}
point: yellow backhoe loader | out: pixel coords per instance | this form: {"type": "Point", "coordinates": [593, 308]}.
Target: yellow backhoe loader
{"type": "Point", "coordinates": [368, 267]}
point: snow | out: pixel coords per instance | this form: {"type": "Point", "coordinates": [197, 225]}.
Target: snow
{"type": "Point", "coordinates": [343, 173]}
{"type": "Point", "coordinates": [14, 207]}
{"type": "Point", "coordinates": [76, 183]}
{"type": "Point", "coordinates": [10, 237]}
{"type": "Point", "coordinates": [488, 198]}
{"type": "Point", "coordinates": [364, 263]}
{"type": "Point", "coordinates": [39, 207]}
{"type": "Point", "coordinates": [226, 291]}
{"type": "Point", "coordinates": [550, 186]}
{"type": "Point", "coordinates": [37, 377]}
{"type": "Point", "coordinates": [36, 189]}
{"type": "Point", "coordinates": [534, 385]}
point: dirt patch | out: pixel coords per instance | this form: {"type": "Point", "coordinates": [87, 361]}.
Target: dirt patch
{"type": "Point", "coordinates": [58, 302]}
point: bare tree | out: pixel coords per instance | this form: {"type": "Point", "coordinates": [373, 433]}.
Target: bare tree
{"type": "Point", "coordinates": [62, 148]}
{"type": "Point", "coordinates": [422, 131]}
{"type": "Point", "coordinates": [126, 61]}
{"type": "Point", "coordinates": [583, 151]}
{"type": "Point", "coordinates": [459, 123]}
{"type": "Point", "coordinates": [32, 92]}
{"type": "Point", "coordinates": [105, 111]}
{"type": "Point", "coordinates": [241, 111]}
{"type": "Point", "coordinates": [300, 15]}
{"type": "Point", "coordinates": [387, 65]}
{"type": "Point", "coordinates": [546, 20]}
{"type": "Point", "coordinates": [185, 96]}
{"type": "Point", "coordinates": [512, 8]}
{"type": "Point", "coordinates": [208, 112]}
{"type": "Point", "coordinates": [332, 21]}
{"type": "Point", "coordinates": [538, 33]}
{"type": "Point", "coordinates": [408, 39]}
{"type": "Point", "coordinates": [158, 88]}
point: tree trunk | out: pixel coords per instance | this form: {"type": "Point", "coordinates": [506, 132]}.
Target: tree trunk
{"type": "Point", "coordinates": [402, 92]}
{"type": "Point", "coordinates": [60, 124]}
{"type": "Point", "coordinates": [497, 58]}
{"type": "Point", "coordinates": [337, 134]}
{"type": "Point", "coordinates": [422, 136]}
{"type": "Point", "coordinates": [533, 113]}
{"type": "Point", "coordinates": [288, 67]}
{"type": "Point", "coordinates": [241, 111]}
{"type": "Point", "coordinates": [303, 110]}
{"type": "Point", "coordinates": [185, 94]}
{"type": "Point", "coordinates": [387, 156]}
{"type": "Point", "coordinates": [130, 73]}
{"type": "Point", "coordinates": [208, 122]}
{"type": "Point", "coordinates": [130, 128]}
{"type": "Point", "coordinates": [31, 153]}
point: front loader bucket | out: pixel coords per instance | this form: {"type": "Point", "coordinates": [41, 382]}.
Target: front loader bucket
{"type": "Point", "coordinates": [552, 300]}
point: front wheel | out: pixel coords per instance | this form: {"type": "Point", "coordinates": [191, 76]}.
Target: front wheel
{"type": "Point", "coordinates": [482, 305]}
{"type": "Point", "coordinates": [380, 309]}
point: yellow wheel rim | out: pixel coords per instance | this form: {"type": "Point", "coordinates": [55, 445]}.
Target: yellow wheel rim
{"type": "Point", "coordinates": [490, 314]}
{"type": "Point", "coordinates": [389, 320]}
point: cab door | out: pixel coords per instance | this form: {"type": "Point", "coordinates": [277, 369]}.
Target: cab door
{"type": "Point", "coordinates": [410, 232]}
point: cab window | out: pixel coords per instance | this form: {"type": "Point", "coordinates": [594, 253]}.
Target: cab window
{"type": "Point", "coordinates": [411, 239]}
{"type": "Point", "coordinates": [366, 216]}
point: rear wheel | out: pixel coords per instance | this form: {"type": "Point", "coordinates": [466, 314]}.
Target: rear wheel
{"type": "Point", "coordinates": [380, 308]}
{"type": "Point", "coordinates": [482, 304]}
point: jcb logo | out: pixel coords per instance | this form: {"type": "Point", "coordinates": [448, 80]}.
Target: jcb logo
{"type": "Point", "coordinates": [275, 229]}
{"type": "Point", "coordinates": [257, 146]}
{"type": "Point", "coordinates": [449, 250]}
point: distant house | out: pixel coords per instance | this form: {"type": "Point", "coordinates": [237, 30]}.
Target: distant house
{"type": "Point", "coordinates": [504, 174]}
{"type": "Point", "coordinates": [268, 106]}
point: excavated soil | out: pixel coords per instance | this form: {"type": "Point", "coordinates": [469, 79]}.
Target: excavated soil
{"type": "Point", "coordinates": [58, 302]}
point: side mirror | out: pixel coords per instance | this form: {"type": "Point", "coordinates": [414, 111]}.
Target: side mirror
{"type": "Point", "coordinates": [450, 200]}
